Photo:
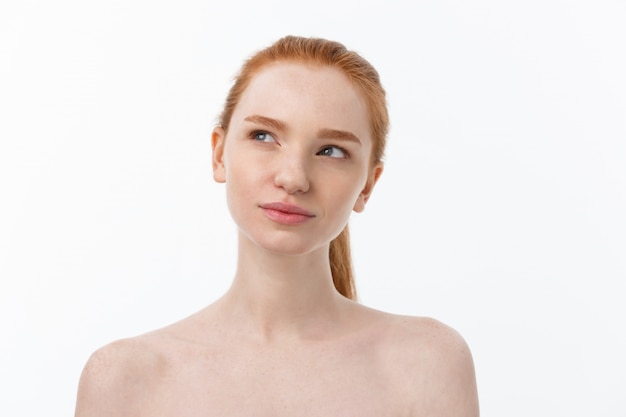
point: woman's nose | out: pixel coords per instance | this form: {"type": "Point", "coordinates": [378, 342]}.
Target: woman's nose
{"type": "Point", "coordinates": [291, 173]}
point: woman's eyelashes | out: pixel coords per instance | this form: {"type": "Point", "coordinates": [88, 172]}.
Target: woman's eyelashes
{"type": "Point", "coordinates": [262, 136]}
{"type": "Point", "coordinates": [333, 152]}
{"type": "Point", "coordinates": [330, 151]}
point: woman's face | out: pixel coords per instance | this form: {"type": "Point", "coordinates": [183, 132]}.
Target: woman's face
{"type": "Point", "coordinates": [296, 157]}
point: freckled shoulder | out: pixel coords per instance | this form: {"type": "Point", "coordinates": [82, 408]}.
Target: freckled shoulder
{"type": "Point", "coordinates": [435, 364]}
{"type": "Point", "coordinates": [116, 376]}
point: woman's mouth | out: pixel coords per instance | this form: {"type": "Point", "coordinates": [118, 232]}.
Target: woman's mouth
{"type": "Point", "coordinates": [285, 213]}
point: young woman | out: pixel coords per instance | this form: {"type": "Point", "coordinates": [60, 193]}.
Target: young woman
{"type": "Point", "coordinates": [299, 146]}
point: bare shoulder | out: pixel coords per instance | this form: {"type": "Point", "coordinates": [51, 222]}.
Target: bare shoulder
{"type": "Point", "coordinates": [436, 340]}
{"type": "Point", "coordinates": [115, 376]}
{"type": "Point", "coordinates": [437, 363]}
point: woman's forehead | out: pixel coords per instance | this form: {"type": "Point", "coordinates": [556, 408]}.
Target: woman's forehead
{"type": "Point", "coordinates": [285, 90]}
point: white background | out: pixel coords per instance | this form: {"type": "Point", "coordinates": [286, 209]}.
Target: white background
{"type": "Point", "coordinates": [501, 211]}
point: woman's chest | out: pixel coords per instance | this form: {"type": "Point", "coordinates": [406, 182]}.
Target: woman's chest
{"type": "Point", "coordinates": [281, 384]}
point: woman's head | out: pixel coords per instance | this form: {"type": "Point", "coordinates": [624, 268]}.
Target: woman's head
{"type": "Point", "coordinates": [364, 79]}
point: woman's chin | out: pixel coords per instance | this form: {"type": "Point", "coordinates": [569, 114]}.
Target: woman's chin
{"type": "Point", "coordinates": [288, 245]}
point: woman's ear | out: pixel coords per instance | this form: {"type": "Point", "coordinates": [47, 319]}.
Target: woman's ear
{"type": "Point", "coordinates": [372, 178]}
{"type": "Point", "coordinates": [217, 144]}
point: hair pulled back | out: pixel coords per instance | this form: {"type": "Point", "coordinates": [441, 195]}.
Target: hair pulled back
{"type": "Point", "coordinates": [366, 80]}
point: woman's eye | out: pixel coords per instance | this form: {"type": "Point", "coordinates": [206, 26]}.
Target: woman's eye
{"type": "Point", "coordinates": [261, 136]}
{"type": "Point", "coordinates": [333, 152]}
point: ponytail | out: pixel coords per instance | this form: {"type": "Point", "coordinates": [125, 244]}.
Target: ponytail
{"type": "Point", "coordinates": [341, 265]}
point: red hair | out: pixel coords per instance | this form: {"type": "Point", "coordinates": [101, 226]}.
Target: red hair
{"type": "Point", "coordinates": [363, 76]}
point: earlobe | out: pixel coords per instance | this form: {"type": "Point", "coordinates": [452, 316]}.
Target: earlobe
{"type": "Point", "coordinates": [372, 179]}
{"type": "Point", "coordinates": [217, 144]}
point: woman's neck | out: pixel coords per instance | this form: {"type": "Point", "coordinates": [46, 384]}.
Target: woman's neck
{"type": "Point", "coordinates": [276, 296]}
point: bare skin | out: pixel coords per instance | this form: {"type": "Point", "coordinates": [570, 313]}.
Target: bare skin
{"type": "Point", "coordinates": [282, 341]}
{"type": "Point", "coordinates": [368, 364]}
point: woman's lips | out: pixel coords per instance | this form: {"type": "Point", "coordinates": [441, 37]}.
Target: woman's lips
{"type": "Point", "coordinates": [286, 213]}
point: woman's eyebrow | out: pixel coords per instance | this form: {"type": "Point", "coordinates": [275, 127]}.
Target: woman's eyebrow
{"type": "Point", "coordinates": [339, 135]}
{"type": "Point", "coordinates": [266, 121]}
